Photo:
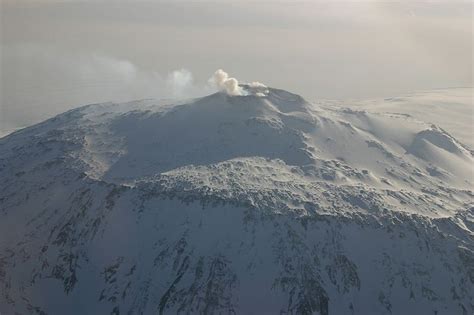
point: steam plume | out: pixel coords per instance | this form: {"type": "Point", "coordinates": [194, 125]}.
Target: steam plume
{"type": "Point", "coordinates": [223, 82]}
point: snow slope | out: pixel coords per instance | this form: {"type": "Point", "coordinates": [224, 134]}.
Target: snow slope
{"type": "Point", "coordinates": [255, 204]}
{"type": "Point", "coordinates": [451, 109]}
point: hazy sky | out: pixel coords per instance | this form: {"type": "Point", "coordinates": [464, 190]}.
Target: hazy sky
{"type": "Point", "coordinates": [56, 55]}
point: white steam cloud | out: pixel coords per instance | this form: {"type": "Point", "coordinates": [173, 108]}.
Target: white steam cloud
{"type": "Point", "coordinates": [180, 83]}
{"type": "Point", "coordinates": [44, 81]}
{"type": "Point", "coordinates": [256, 84]}
{"type": "Point", "coordinates": [223, 82]}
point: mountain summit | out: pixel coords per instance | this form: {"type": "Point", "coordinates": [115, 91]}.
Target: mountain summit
{"type": "Point", "coordinates": [259, 203]}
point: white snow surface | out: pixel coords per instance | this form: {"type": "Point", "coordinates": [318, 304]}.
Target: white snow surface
{"type": "Point", "coordinates": [255, 204]}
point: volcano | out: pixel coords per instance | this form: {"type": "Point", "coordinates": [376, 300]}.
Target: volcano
{"type": "Point", "coordinates": [262, 203]}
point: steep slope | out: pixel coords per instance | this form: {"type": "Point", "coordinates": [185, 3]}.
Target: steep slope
{"type": "Point", "coordinates": [255, 204]}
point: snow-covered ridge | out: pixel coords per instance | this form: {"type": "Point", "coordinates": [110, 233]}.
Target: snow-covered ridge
{"type": "Point", "coordinates": [261, 202]}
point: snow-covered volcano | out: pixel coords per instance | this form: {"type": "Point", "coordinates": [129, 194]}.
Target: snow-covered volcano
{"type": "Point", "coordinates": [255, 204]}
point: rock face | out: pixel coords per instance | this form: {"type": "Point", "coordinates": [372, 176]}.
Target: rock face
{"type": "Point", "coordinates": [256, 204]}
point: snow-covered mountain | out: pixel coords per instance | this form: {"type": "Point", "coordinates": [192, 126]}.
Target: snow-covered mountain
{"type": "Point", "coordinates": [254, 204]}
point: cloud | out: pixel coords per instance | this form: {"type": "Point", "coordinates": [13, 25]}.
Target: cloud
{"type": "Point", "coordinates": [44, 81]}
{"type": "Point", "coordinates": [256, 84]}
{"type": "Point", "coordinates": [223, 82]}
{"type": "Point", "coordinates": [180, 83]}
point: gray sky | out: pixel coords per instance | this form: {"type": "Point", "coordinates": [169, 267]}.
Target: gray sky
{"type": "Point", "coordinates": [56, 55]}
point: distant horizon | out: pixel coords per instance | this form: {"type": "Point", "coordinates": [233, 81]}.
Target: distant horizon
{"type": "Point", "coordinates": [5, 131]}
{"type": "Point", "coordinates": [463, 107]}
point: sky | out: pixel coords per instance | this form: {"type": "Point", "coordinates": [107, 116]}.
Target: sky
{"type": "Point", "coordinates": [56, 55]}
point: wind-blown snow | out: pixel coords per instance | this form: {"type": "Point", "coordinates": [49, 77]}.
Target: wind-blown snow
{"type": "Point", "coordinates": [236, 203]}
